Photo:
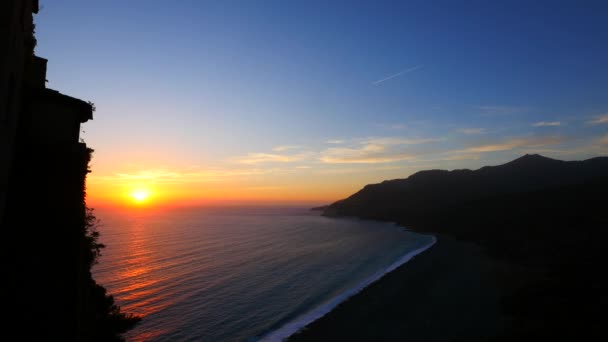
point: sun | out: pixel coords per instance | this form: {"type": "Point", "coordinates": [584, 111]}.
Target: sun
{"type": "Point", "coordinates": [140, 195]}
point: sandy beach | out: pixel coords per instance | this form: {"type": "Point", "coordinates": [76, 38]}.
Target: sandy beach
{"type": "Point", "coordinates": [450, 292]}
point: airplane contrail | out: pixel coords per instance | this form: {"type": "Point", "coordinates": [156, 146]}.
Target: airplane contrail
{"type": "Point", "coordinates": [397, 74]}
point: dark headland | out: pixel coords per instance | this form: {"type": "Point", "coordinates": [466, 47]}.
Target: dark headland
{"type": "Point", "coordinates": [49, 235]}
{"type": "Point", "coordinates": [519, 255]}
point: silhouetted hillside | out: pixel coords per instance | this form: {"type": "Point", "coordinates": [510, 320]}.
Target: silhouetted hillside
{"type": "Point", "coordinates": [429, 190]}
{"type": "Point", "coordinates": [547, 215]}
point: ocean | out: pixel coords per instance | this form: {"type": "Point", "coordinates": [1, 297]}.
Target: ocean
{"type": "Point", "coordinates": [240, 274]}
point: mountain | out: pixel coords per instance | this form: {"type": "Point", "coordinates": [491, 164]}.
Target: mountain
{"type": "Point", "coordinates": [546, 217]}
{"type": "Point", "coordinates": [431, 190]}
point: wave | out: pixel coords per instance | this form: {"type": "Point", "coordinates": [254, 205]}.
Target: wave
{"type": "Point", "coordinates": [302, 321]}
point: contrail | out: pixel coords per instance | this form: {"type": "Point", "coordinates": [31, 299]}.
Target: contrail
{"type": "Point", "coordinates": [397, 74]}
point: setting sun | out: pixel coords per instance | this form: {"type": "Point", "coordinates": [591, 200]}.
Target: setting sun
{"type": "Point", "coordinates": [140, 195]}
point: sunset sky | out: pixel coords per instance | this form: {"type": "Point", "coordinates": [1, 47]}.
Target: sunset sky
{"type": "Point", "coordinates": [202, 102]}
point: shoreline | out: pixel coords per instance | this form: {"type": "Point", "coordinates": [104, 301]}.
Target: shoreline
{"type": "Point", "coordinates": [308, 318]}
{"type": "Point", "coordinates": [452, 291]}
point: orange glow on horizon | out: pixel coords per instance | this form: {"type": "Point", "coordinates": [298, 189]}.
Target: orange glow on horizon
{"type": "Point", "coordinates": [149, 189]}
{"type": "Point", "coordinates": [196, 194]}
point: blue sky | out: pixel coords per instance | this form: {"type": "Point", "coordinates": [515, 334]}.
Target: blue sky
{"type": "Point", "coordinates": [329, 94]}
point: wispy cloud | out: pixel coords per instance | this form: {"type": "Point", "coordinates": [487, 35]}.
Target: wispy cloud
{"type": "Point", "coordinates": [582, 147]}
{"type": "Point", "coordinates": [286, 148]}
{"type": "Point", "coordinates": [335, 141]}
{"type": "Point", "coordinates": [400, 141]}
{"type": "Point", "coordinates": [402, 72]}
{"type": "Point", "coordinates": [259, 158]}
{"type": "Point", "coordinates": [465, 156]}
{"type": "Point", "coordinates": [367, 154]}
{"type": "Point", "coordinates": [167, 176]}
{"type": "Point", "coordinates": [513, 144]}
{"type": "Point", "coordinates": [501, 110]}
{"type": "Point", "coordinates": [338, 170]}
{"type": "Point", "coordinates": [395, 126]}
{"type": "Point", "coordinates": [600, 119]}
{"type": "Point", "coordinates": [374, 150]}
{"type": "Point", "coordinates": [547, 124]}
{"type": "Point", "coordinates": [472, 130]}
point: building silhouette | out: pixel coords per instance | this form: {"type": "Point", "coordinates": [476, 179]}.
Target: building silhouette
{"type": "Point", "coordinates": [43, 167]}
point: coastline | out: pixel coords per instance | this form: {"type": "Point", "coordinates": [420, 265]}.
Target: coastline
{"type": "Point", "coordinates": [452, 291]}
{"type": "Point", "coordinates": [293, 327]}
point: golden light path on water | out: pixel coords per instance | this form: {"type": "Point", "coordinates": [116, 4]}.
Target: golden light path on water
{"type": "Point", "coordinates": [137, 278]}
{"type": "Point", "coordinates": [233, 274]}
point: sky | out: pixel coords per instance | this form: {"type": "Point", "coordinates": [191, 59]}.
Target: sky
{"type": "Point", "coordinates": [206, 102]}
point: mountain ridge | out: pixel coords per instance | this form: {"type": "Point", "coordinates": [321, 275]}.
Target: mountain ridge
{"type": "Point", "coordinates": [442, 187]}
{"type": "Point", "coordinates": [544, 216]}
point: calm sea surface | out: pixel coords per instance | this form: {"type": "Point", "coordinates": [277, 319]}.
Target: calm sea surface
{"type": "Point", "coordinates": [237, 274]}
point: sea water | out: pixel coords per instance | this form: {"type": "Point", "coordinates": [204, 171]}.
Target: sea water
{"type": "Point", "coordinates": [240, 274]}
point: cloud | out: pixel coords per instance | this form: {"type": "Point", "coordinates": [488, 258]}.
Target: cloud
{"type": "Point", "coordinates": [600, 119]}
{"type": "Point", "coordinates": [284, 148]}
{"type": "Point", "coordinates": [258, 158]}
{"type": "Point", "coordinates": [395, 126]}
{"type": "Point", "coordinates": [513, 144]}
{"type": "Point", "coordinates": [400, 141]}
{"type": "Point", "coordinates": [389, 141]}
{"type": "Point", "coordinates": [462, 157]}
{"type": "Point", "coordinates": [585, 146]}
{"type": "Point", "coordinates": [374, 150]}
{"type": "Point", "coordinates": [166, 176]}
{"type": "Point", "coordinates": [472, 130]}
{"type": "Point", "coordinates": [338, 170]}
{"type": "Point", "coordinates": [501, 110]}
{"type": "Point", "coordinates": [367, 154]}
{"type": "Point", "coordinates": [402, 72]}
{"type": "Point", "coordinates": [546, 124]}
